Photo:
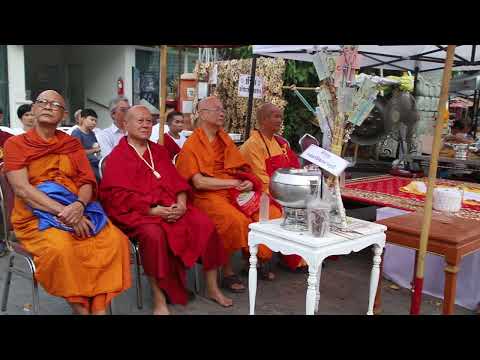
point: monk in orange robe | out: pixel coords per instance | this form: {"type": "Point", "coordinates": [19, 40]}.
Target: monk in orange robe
{"type": "Point", "coordinates": [266, 152]}
{"type": "Point", "coordinates": [87, 270]}
{"type": "Point", "coordinates": [211, 162]}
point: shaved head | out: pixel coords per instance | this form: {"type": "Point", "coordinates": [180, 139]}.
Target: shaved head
{"type": "Point", "coordinates": [269, 119]}
{"type": "Point", "coordinates": [49, 109]}
{"type": "Point", "coordinates": [138, 123]}
{"type": "Point", "coordinates": [211, 114]}
{"type": "Point", "coordinates": [134, 111]}
{"type": "Point", "coordinates": [265, 111]}
{"type": "Point", "coordinates": [209, 102]}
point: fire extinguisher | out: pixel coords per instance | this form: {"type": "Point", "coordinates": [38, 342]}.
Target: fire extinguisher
{"type": "Point", "coordinates": [120, 87]}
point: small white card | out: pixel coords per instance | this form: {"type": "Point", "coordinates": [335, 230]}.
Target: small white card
{"type": "Point", "coordinates": [325, 159]}
{"type": "Point", "coordinates": [187, 107]}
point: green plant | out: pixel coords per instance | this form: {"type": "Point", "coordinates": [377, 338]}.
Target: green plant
{"type": "Point", "coordinates": [298, 120]}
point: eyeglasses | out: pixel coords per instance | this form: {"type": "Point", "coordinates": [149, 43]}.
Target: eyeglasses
{"type": "Point", "coordinates": [216, 110]}
{"type": "Point", "coordinates": [55, 105]}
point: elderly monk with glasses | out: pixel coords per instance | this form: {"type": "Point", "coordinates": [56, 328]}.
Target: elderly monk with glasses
{"type": "Point", "coordinates": [79, 255]}
{"type": "Point", "coordinates": [143, 193]}
{"type": "Point", "coordinates": [224, 185]}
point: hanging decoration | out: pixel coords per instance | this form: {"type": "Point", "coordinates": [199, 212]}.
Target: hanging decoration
{"type": "Point", "coordinates": [270, 70]}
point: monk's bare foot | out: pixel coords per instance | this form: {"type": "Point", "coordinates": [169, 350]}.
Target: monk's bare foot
{"type": "Point", "coordinates": [101, 312]}
{"type": "Point", "coordinates": [161, 310]}
{"type": "Point", "coordinates": [79, 309]}
{"type": "Point", "coordinates": [217, 296]}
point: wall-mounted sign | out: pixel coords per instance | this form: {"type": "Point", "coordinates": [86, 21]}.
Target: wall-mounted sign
{"type": "Point", "coordinates": [244, 86]}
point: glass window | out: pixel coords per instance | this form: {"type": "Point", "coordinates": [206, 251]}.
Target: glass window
{"type": "Point", "coordinates": [4, 119]}
{"type": "Point", "coordinates": [147, 67]}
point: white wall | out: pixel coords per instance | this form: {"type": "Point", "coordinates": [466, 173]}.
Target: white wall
{"type": "Point", "coordinates": [103, 65]}
{"type": "Point", "coordinates": [16, 82]}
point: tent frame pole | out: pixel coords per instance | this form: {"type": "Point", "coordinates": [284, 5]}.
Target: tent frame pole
{"type": "Point", "coordinates": [248, 122]}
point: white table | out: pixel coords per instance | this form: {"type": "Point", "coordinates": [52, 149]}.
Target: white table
{"type": "Point", "coordinates": [314, 251]}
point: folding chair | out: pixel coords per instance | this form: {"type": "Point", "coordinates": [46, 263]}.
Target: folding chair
{"type": "Point", "coordinates": [15, 248]}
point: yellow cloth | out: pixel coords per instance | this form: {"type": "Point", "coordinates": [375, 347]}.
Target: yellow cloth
{"type": "Point", "coordinates": [255, 152]}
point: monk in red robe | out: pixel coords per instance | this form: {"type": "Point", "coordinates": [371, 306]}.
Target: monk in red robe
{"type": "Point", "coordinates": [145, 196]}
{"type": "Point", "coordinates": [87, 270]}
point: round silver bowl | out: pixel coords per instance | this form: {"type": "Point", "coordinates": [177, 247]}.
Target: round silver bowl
{"type": "Point", "coordinates": [294, 187]}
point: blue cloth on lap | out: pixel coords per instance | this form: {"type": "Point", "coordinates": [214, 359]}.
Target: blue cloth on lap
{"type": "Point", "coordinates": [94, 211]}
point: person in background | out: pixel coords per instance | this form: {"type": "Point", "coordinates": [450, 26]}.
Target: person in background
{"type": "Point", "coordinates": [174, 139]}
{"type": "Point", "coordinates": [25, 115]}
{"type": "Point", "coordinates": [1, 116]}
{"type": "Point", "coordinates": [108, 138]}
{"type": "Point", "coordinates": [84, 133]}
{"type": "Point", "coordinates": [76, 116]}
{"type": "Point", "coordinates": [156, 128]}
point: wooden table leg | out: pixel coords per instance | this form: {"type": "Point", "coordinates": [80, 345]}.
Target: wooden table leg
{"type": "Point", "coordinates": [414, 270]}
{"type": "Point", "coordinates": [377, 306]}
{"type": "Point", "coordinates": [450, 289]}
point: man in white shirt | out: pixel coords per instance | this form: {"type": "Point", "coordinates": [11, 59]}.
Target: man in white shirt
{"type": "Point", "coordinates": [156, 127]}
{"type": "Point", "coordinates": [77, 122]}
{"type": "Point", "coordinates": [109, 138]}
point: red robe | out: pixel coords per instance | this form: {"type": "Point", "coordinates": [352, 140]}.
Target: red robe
{"type": "Point", "coordinates": [128, 190]}
{"type": "Point", "coordinates": [171, 146]}
{"type": "Point", "coordinates": [3, 137]}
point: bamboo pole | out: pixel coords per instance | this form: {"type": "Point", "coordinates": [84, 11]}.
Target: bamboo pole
{"type": "Point", "coordinates": [300, 88]}
{"type": "Point", "coordinates": [163, 91]}
{"type": "Point", "coordinates": [432, 175]}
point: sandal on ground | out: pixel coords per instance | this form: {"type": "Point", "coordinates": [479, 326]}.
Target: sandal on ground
{"type": "Point", "coordinates": [264, 271]}
{"type": "Point", "coordinates": [229, 281]}
{"type": "Point", "coordinates": [298, 270]}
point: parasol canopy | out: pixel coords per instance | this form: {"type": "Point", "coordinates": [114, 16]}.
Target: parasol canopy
{"type": "Point", "coordinates": [391, 57]}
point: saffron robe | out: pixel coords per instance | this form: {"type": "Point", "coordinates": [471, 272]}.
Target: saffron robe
{"type": "Point", "coordinates": [220, 159]}
{"type": "Point", "coordinates": [129, 189]}
{"type": "Point", "coordinates": [88, 271]}
{"type": "Point", "coordinates": [265, 156]}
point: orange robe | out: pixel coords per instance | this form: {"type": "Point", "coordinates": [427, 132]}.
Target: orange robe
{"type": "Point", "coordinates": [220, 159]}
{"type": "Point", "coordinates": [87, 271]}
{"type": "Point", "coordinates": [255, 153]}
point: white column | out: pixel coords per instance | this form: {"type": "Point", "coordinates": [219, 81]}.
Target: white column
{"type": "Point", "coordinates": [16, 82]}
{"type": "Point", "coordinates": [127, 72]}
